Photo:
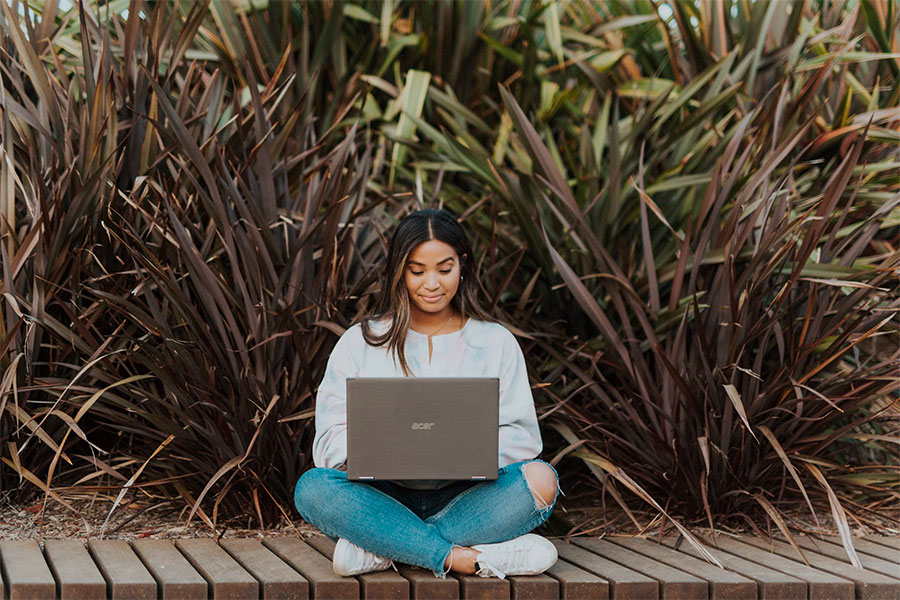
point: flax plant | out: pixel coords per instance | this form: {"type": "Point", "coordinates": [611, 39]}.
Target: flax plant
{"type": "Point", "coordinates": [730, 348]}
{"type": "Point", "coordinates": [189, 232]}
{"type": "Point", "coordinates": [687, 211]}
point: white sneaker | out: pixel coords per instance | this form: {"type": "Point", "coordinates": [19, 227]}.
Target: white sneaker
{"type": "Point", "coordinates": [528, 554]}
{"type": "Point", "coordinates": [350, 559]}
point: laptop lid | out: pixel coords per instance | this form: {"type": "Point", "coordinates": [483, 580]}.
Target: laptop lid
{"type": "Point", "coordinates": [422, 428]}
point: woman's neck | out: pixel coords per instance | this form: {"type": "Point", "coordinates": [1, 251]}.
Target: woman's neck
{"type": "Point", "coordinates": [435, 323]}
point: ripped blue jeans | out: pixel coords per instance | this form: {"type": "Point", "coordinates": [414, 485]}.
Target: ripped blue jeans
{"type": "Point", "coordinates": [421, 527]}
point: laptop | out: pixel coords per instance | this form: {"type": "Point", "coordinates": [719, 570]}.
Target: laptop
{"type": "Point", "coordinates": [432, 428]}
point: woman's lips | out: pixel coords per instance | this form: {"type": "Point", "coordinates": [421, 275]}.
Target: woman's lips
{"type": "Point", "coordinates": [432, 298]}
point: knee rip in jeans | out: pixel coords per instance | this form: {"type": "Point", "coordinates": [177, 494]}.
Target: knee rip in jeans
{"type": "Point", "coordinates": [539, 504]}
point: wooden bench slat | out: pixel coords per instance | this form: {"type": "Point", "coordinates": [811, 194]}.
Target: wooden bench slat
{"type": "Point", "coordinates": [588, 568]}
{"type": "Point", "coordinates": [27, 575]}
{"type": "Point", "coordinates": [822, 585]}
{"type": "Point", "coordinates": [126, 575]}
{"type": "Point", "coordinates": [869, 585]}
{"type": "Point", "coordinates": [772, 584]}
{"type": "Point", "coordinates": [534, 587]}
{"type": "Point", "coordinates": [869, 547]}
{"type": "Point", "coordinates": [623, 582]}
{"type": "Point", "coordinates": [674, 584]}
{"type": "Point", "coordinates": [76, 574]}
{"type": "Point", "coordinates": [227, 579]}
{"type": "Point", "coordinates": [577, 584]}
{"type": "Point", "coordinates": [172, 571]}
{"type": "Point", "coordinates": [473, 587]}
{"type": "Point", "coordinates": [425, 586]}
{"type": "Point", "coordinates": [323, 581]}
{"type": "Point", "coordinates": [722, 583]}
{"type": "Point", "coordinates": [388, 584]}
{"type": "Point", "coordinates": [277, 580]}
{"type": "Point", "coordinates": [890, 542]}
{"type": "Point", "coordinates": [870, 563]}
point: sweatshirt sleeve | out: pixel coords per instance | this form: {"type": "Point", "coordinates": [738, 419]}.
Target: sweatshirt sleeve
{"type": "Point", "coordinates": [330, 442]}
{"type": "Point", "coordinates": [519, 435]}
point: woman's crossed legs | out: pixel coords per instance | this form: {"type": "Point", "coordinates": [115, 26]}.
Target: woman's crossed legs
{"type": "Point", "coordinates": [488, 512]}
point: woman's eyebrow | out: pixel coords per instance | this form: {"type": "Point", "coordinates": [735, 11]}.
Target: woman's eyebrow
{"type": "Point", "coordinates": [413, 262]}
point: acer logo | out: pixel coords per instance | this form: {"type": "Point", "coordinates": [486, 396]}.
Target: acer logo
{"type": "Point", "coordinates": [422, 425]}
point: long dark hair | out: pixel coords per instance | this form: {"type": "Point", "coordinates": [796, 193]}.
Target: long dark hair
{"type": "Point", "coordinates": [393, 301]}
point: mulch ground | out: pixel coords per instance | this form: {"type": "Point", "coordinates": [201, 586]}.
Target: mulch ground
{"type": "Point", "coordinates": [129, 521]}
{"type": "Point", "coordinates": [166, 519]}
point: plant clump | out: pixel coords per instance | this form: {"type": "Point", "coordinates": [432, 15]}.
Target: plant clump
{"type": "Point", "coordinates": [687, 212]}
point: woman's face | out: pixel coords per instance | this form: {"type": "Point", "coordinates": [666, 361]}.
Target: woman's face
{"type": "Point", "coordinates": [431, 275]}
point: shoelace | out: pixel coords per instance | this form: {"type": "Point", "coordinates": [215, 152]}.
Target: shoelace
{"type": "Point", "coordinates": [514, 555]}
{"type": "Point", "coordinates": [487, 569]}
{"type": "Point", "coordinates": [375, 559]}
{"type": "Point", "coordinates": [370, 559]}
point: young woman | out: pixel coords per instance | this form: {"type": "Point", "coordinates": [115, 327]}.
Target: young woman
{"type": "Point", "coordinates": [428, 323]}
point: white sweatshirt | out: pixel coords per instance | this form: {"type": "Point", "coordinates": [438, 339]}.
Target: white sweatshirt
{"type": "Point", "coordinates": [479, 349]}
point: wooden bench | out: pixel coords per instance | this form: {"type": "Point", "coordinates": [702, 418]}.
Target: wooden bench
{"type": "Point", "coordinates": [588, 569]}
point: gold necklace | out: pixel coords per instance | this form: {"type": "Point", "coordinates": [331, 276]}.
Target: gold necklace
{"type": "Point", "coordinates": [441, 328]}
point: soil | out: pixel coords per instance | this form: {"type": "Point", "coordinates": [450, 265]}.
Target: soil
{"type": "Point", "coordinates": [165, 519]}
{"type": "Point", "coordinates": [92, 519]}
